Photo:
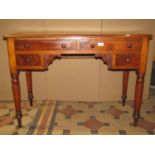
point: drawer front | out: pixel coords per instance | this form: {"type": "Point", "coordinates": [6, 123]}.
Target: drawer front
{"type": "Point", "coordinates": [28, 60]}
{"type": "Point", "coordinates": [127, 60]}
{"type": "Point", "coordinates": [101, 45]}
{"type": "Point", "coordinates": [29, 45]}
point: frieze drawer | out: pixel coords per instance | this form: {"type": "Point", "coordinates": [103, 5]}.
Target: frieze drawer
{"type": "Point", "coordinates": [28, 60]}
{"type": "Point", "coordinates": [101, 45]}
{"type": "Point", "coordinates": [31, 45]}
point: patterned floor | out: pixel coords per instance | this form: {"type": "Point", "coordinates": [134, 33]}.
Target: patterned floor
{"type": "Point", "coordinates": [77, 118]}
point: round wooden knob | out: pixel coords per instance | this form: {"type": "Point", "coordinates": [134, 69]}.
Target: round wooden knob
{"type": "Point", "coordinates": [27, 59]}
{"type": "Point", "coordinates": [92, 45]}
{"type": "Point", "coordinates": [127, 60]}
{"type": "Point", "coordinates": [129, 45]}
{"type": "Point", "coordinates": [27, 45]}
{"type": "Point", "coordinates": [63, 45]}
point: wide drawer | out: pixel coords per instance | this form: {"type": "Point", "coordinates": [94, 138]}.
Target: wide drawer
{"type": "Point", "coordinates": [28, 60]}
{"type": "Point", "coordinates": [107, 45]}
{"type": "Point", "coordinates": [127, 60]}
{"type": "Point", "coordinates": [30, 45]}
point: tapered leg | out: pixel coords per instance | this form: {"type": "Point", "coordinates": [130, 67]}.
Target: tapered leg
{"type": "Point", "coordinates": [138, 97]}
{"type": "Point", "coordinates": [17, 97]}
{"type": "Point", "coordinates": [29, 86]}
{"type": "Point", "coordinates": [125, 86]}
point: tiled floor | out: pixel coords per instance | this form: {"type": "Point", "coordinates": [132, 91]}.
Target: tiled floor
{"type": "Point", "coordinates": [78, 118]}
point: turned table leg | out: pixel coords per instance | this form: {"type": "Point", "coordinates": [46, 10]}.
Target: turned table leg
{"type": "Point", "coordinates": [138, 97]}
{"type": "Point", "coordinates": [17, 97]}
{"type": "Point", "coordinates": [29, 86]}
{"type": "Point", "coordinates": [125, 86]}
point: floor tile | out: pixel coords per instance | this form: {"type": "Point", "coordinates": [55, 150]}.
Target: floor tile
{"type": "Point", "coordinates": [77, 118]}
{"type": "Point", "coordinates": [4, 111]}
{"type": "Point", "coordinates": [7, 129]}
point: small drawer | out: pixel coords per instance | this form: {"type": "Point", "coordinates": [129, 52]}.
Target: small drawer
{"type": "Point", "coordinates": [110, 45]}
{"type": "Point", "coordinates": [127, 60]}
{"type": "Point", "coordinates": [93, 45]}
{"type": "Point", "coordinates": [127, 46]}
{"type": "Point", "coordinates": [28, 60]}
{"type": "Point", "coordinates": [31, 45]}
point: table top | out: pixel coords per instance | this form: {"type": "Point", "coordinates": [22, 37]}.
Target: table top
{"type": "Point", "coordinates": [51, 35]}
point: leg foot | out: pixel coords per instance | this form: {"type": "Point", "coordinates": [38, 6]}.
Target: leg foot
{"type": "Point", "coordinates": [123, 100]}
{"type": "Point", "coordinates": [125, 86]}
{"type": "Point", "coordinates": [19, 119]}
{"type": "Point", "coordinates": [30, 97]}
{"type": "Point", "coordinates": [136, 116]}
{"type": "Point", "coordinates": [29, 86]}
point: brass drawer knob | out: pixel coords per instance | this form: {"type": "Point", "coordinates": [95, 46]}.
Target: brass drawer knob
{"type": "Point", "coordinates": [92, 45]}
{"type": "Point", "coordinates": [63, 45]}
{"type": "Point", "coordinates": [27, 60]}
{"type": "Point", "coordinates": [128, 60]}
{"type": "Point", "coordinates": [27, 45]}
{"type": "Point", "coordinates": [129, 45]}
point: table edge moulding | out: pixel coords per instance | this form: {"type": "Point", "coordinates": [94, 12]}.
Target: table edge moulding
{"type": "Point", "coordinates": [123, 52]}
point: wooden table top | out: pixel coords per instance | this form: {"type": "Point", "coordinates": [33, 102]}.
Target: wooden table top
{"type": "Point", "coordinates": [51, 35]}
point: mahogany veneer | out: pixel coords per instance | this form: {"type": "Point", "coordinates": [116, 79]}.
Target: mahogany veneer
{"type": "Point", "coordinates": [120, 52]}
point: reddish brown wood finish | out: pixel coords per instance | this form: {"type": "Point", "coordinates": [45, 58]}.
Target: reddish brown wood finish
{"type": "Point", "coordinates": [17, 97]}
{"type": "Point", "coordinates": [130, 60]}
{"type": "Point", "coordinates": [28, 60]}
{"type": "Point", "coordinates": [125, 86]}
{"type": "Point", "coordinates": [48, 59]}
{"type": "Point", "coordinates": [140, 80]}
{"type": "Point", "coordinates": [120, 52]}
{"type": "Point", "coordinates": [138, 97]}
{"type": "Point", "coordinates": [29, 86]}
{"type": "Point", "coordinates": [114, 45]}
{"type": "Point", "coordinates": [106, 58]}
{"type": "Point", "coordinates": [30, 45]}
